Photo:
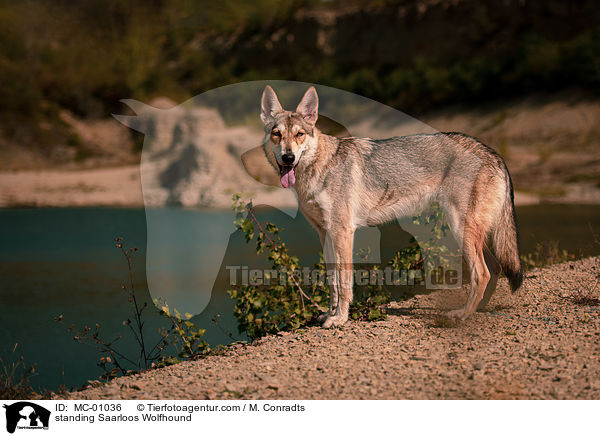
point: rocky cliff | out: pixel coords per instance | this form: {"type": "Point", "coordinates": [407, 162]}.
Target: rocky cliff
{"type": "Point", "coordinates": [191, 158]}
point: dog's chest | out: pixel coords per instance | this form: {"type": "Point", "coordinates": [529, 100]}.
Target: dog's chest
{"type": "Point", "coordinates": [316, 207]}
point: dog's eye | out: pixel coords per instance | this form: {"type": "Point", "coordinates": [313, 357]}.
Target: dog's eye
{"type": "Point", "coordinates": [276, 133]}
{"type": "Point", "coordinates": [299, 134]}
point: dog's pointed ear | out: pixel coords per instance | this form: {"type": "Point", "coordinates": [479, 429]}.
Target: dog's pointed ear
{"type": "Point", "coordinates": [309, 106]}
{"type": "Point", "coordinates": [269, 105]}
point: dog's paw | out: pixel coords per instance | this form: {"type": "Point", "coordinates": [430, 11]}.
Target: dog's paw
{"type": "Point", "coordinates": [322, 317]}
{"type": "Point", "coordinates": [458, 314]}
{"type": "Point", "coordinates": [334, 321]}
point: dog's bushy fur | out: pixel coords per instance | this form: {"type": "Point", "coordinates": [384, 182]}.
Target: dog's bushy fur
{"type": "Point", "coordinates": [346, 183]}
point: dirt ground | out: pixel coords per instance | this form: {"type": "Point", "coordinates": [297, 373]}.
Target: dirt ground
{"type": "Point", "coordinates": [536, 344]}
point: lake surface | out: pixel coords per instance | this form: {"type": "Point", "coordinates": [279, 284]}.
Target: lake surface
{"type": "Point", "coordinates": [64, 262]}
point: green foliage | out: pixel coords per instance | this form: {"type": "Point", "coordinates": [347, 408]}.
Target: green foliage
{"type": "Point", "coordinates": [86, 56]}
{"type": "Point", "coordinates": [183, 334]}
{"type": "Point", "coordinates": [15, 378]}
{"type": "Point", "coordinates": [431, 251]}
{"type": "Point", "coordinates": [434, 249]}
{"type": "Point", "coordinates": [408, 258]}
{"type": "Point", "coordinates": [281, 304]}
{"type": "Point", "coordinates": [180, 333]}
{"type": "Point", "coordinates": [369, 305]}
{"type": "Point", "coordinates": [545, 253]}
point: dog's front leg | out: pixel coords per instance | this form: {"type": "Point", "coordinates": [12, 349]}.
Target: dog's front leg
{"type": "Point", "coordinates": [333, 294]}
{"type": "Point", "coordinates": [329, 259]}
{"type": "Point", "coordinates": [340, 269]}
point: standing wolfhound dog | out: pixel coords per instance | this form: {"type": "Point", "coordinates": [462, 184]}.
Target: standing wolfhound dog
{"type": "Point", "coordinates": [346, 183]}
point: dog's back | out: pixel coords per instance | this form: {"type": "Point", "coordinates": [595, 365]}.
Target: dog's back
{"type": "Point", "coordinates": [346, 183]}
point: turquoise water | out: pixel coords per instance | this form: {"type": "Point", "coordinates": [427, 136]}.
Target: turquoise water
{"type": "Point", "coordinates": [63, 261]}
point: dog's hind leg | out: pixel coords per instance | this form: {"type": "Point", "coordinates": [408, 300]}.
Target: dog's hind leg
{"type": "Point", "coordinates": [494, 269]}
{"type": "Point", "coordinates": [480, 275]}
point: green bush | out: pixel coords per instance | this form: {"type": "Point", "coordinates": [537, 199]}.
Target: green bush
{"type": "Point", "coordinates": [281, 303]}
{"type": "Point", "coordinates": [545, 253]}
{"type": "Point", "coordinates": [15, 377]}
{"type": "Point", "coordinates": [87, 56]}
{"type": "Point", "coordinates": [152, 350]}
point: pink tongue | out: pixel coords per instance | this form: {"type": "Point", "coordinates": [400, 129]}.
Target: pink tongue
{"type": "Point", "coordinates": [288, 179]}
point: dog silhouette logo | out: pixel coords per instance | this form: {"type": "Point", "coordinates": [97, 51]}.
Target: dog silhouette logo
{"type": "Point", "coordinates": [26, 415]}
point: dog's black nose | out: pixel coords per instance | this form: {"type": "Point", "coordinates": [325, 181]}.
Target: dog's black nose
{"type": "Point", "coordinates": [288, 158]}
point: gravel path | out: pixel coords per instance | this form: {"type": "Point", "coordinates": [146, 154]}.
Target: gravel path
{"type": "Point", "coordinates": [535, 344]}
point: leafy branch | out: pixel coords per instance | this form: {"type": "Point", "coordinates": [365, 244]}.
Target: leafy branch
{"type": "Point", "coordinates": [181, 334]}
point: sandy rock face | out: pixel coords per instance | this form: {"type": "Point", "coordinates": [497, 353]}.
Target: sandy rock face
{"type": "Point", "coordinates": [191, 158]}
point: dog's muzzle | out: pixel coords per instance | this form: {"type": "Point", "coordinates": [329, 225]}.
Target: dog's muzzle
{"type": "Point", "coordinates": [286, 170]}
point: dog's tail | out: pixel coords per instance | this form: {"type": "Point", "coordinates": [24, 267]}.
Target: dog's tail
{"type": "Point", "coordinates": [505, 240]}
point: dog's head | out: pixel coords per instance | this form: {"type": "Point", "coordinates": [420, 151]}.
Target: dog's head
{"type": "Point", "coordinates": [289, 135]}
